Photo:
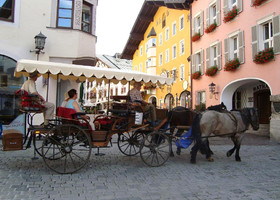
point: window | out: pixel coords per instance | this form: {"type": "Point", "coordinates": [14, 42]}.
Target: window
{"type": "Point", "coordinates": [163, 20]}
{"type": "Point", "coordinates": [7, 10]}
{"type": "Point", "coordinates": [182, 72]}
{"type": "Point", "coordinates": [86, 18]}
{"type": "Point", "coordinates": [266, 35]}
{"type": "Point", "coordinates": [174, 29]}
{"type": "Point", "coordinates": [136, 68]}
{"type": "Point", "coordinates": [160, 39]}
{"type": "Point", "coordinates": [151, 43]}
{"type": "Point", "coordinates": [65, 13]}
{"type": "Point", "coordinates": [160, 59]}
{"type": "Point", "coordinates": [146, 46]}
{"type": "Point", "coordinates": [234, 46]}
{"type": "Point", "coordinates": [213, 14]}
{"type": "Point", "coordinates": [197, 24]}
{"type": "Point", "coordinates": [166, 55]}
{"type": "Point", "coordinates": [140, 67]}
{"type": "Point", "coordinates": [197, 61]}
{"type": "Point", "coordinates": [174, 74]}
{"type": "Point", "coordinates": [166, 34]}
{"type": "Point", "coordinates": [141, 51]}
{"type": "Point", "coordinates": [230, 4]}
{"type": "Point", "coordinates": [182, 47]}
{"type": "Point", "coordinates": [174, 51]}
{"type": "Point", "coordinates": [182, 22]}
{"type": "Point", "coordinates": [200, 97]}
{"type": "Point", "coordinates": [214, 55]}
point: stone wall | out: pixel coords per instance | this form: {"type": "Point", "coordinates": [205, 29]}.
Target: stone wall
{"type": "Point", "coordinates": [275, 118]}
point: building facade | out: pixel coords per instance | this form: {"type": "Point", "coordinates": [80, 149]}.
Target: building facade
{"type": "Point", "coordinates": [163, 49]}
{"type": "Point", "coordinates": [69, 27]}
{"type": "Point", "coordinates": [235, 56]}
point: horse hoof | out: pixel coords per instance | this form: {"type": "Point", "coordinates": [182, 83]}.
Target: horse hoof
{"type": "Point", "coordinates": [171, 154]}
{"type": "Point", "coordinates": [178, 152]}
{"type": "Point", "coordinates": [238, 159]}
{"type": "Point", "coordinates": [228, 154]}
{"type": "Point", "coordinates": [193, 161]}
{"type": "Point", "coordinates": [210, 159]}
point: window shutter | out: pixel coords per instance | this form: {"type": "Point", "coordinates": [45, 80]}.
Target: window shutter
{"type": "Point", "coordinates": [226, 41]}
{"type": "Point", "coordinates": [239, 5]}
{"type": "Point", "coordinates": [219, 55]}
{"type": "Point", "coordinates": [193, 64]}
{"type": "Point", "coordinates": [254, 31]}
{"type": "Point", "coordinates": [193, 27]}
{"type": "Point", "coordinates": [218, 7]}
{"type": "Point", "coordinates": [207, 57]}
{"type": "Point", "coordinates": [202, 61]}
{"type": "Point", "coordinates": [241, 46]}
{"type": "Point", "coordinates": [207, 17]}
{"type": "Point", "coordinates": [225, 8]}
{"type": "Point", "coordinates": [201, 23]}
{"type": "Point", "coordinates": [276, 34]}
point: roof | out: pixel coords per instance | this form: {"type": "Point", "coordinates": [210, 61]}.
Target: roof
{"type": "Point", "coordinates": [143, 20]}
{"type": "Point", "coordinates": [115, 62]}
{"type": "Point", "coordinates": [82, 72]}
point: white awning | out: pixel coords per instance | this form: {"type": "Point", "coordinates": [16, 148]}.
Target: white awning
{"type": "Point", "coordinates": [82, 72]}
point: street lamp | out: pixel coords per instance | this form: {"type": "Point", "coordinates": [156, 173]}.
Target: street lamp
{"type": "Point", "coordinates": [212, 89]}
{"type": "Point", "coordinates": [40, 41]}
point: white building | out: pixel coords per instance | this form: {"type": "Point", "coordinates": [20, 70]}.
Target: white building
{"type": "Point", "coordinates": [69, 26]}
{"type": "Point", "coordinates": [96, 94]}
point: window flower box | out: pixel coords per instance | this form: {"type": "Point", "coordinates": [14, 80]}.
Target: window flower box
{"type": "Point", "coordinates": [211, 28]}
{"type": "Point", "coordinates": [211, 71]}
{"type": "Point", "coordinates": [264, 56]}
{"type": "Point", "coordinates": [258, 2]}
{"type": "Point", "coordinates": [231, 15]}
{"type": "Point", "coordinates": [196, 37]}
{"type": "Point", "coordinates": [232, 65]}
{"type": "Point", "coordinates": [196, 75]}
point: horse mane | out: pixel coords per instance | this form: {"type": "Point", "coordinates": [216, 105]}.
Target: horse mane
{"type": "Point", "coordinates": [219, 108]}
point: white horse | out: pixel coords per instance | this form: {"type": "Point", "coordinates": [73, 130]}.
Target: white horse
{"type": "Point", "coordinates": [230, 124]}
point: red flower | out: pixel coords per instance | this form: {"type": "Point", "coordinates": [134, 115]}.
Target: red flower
{"type": "Point", "coordinates": [264, 56]}
{"type": "Point", "coordinates": [232, 65]}
{"type": "Point", "coordinates": [196, 75]}
{"type": "Point", "coordinates": [211, 71]}
{"type": "Point", "coordinates": [211, 28]}
{"type": "Point", "coordinates": [231, 14]}
{"type": "Point", "coordinates": [195, 37]}
{"type": "Point", "coordinates": [258, 2]}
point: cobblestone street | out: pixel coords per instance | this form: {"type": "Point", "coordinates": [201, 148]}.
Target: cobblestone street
{"type": "Point", "coordinates": [117, 177]}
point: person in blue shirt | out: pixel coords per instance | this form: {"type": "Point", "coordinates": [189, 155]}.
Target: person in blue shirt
{"type": "Point", "coordinates": [72, 103]}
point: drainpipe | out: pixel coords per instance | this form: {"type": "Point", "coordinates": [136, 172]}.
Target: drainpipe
{"type": "Point", "coordinates": [191, 55]}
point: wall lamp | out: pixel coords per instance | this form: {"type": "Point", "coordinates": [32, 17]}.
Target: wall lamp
{"type": "Point", "coordinates": [212, 89]}
{"type": "Point", "coordinates": [40, 41]}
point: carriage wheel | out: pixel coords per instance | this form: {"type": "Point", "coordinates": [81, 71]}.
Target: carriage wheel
{"type": "Point", "coordinates": [155, 149]}
{"type": "Point", "coordinates": [66, 149]}
{"type": "Point", "coordinates": [36, 144]}
{"type": "Point", "coordinates": [129, 142]}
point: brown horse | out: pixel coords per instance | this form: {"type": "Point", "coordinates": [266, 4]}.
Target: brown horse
{"type": "Point", "coordinates": [230, 124]}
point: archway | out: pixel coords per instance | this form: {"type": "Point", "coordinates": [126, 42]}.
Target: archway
{"type": "Point", "coordinates": [153, 100]}
{"type": "Point", "coordinates": [169, 101]}
{"type": "Point", "coordinates": [185, 99]}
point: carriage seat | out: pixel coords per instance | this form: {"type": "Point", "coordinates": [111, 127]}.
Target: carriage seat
{"type": "Point", "coordinates": [29, 102]}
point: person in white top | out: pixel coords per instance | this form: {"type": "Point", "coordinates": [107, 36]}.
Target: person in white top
{"type": "Point", "coordinates": [135, 96]}
{"type": "Point", "coordinates": [30, 87]}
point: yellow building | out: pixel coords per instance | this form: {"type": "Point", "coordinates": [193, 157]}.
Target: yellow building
{"type": "Point", "coordinates": [160, 44]}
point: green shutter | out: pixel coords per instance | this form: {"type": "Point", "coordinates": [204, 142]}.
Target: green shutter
{"type": "Point", "coordinates": [276, 34]}
{"type": "Point", "coordinates": [201, 23]}
{"type": "Point", "coordinates": [254, 32]}
{"type": "Point", "coordinates": [218, 7]}
{"type": "Point", "coordinates": [219, 46]}
{"type": "Point", "coordinates": [202, 61]}
{"type": "Point", "coordinates": [225, 8]}
{"type": "Point", "coordinates": [207, 17]}
{"type": "Point", "coordinates": [239, 5]}
{"type": "Point", "coordinates": [207, 57]}
{"type": "Point", "coordinates": [226, 49]}
{"type": "Point", "coordinates": [241, 46]}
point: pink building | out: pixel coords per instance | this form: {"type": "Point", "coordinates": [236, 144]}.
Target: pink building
{"type": "Point", "coordinates": [228, 34]}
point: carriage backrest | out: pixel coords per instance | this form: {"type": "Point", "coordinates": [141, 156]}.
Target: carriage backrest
{"type": "Point", "coordinates": [29, 102]}
{"type": "Point", "coordinates": [67, 113]}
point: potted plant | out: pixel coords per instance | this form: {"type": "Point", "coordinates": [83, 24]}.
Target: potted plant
{"type": "Point", "coordinates": [196, 75]}
{"type": "Point", "coordinates": [211, 71]}
{"type": "Point", "coordinates": [264, 56]}
{"type": "Point", "coordinates": [231, 14]}
{"type": "Point", "coordinates": [211, 28]}
{"type": "Point", "coordinates": [256, 3]}
{"type": "Point", "coordinates": [232, 65]}
{"type": "Point", "coordinates": [195, 37]}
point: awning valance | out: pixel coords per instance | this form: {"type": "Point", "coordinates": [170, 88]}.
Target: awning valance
{"type": "Point", "coordinates": [82, 72]}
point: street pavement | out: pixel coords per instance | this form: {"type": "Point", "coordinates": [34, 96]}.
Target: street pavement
{"type": "Point", "coordinates": [115, 176]}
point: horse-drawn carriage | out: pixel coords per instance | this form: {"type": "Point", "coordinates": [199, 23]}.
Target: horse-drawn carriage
{"type": "Point", "coordinates": [67, 146]}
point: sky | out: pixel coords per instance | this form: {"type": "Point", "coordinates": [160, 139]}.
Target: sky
{"type": "Point", "coordinates": [114, 21]}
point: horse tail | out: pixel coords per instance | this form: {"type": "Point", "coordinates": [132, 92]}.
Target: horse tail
{"type": "Point", "coordinates": [196, 132]}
